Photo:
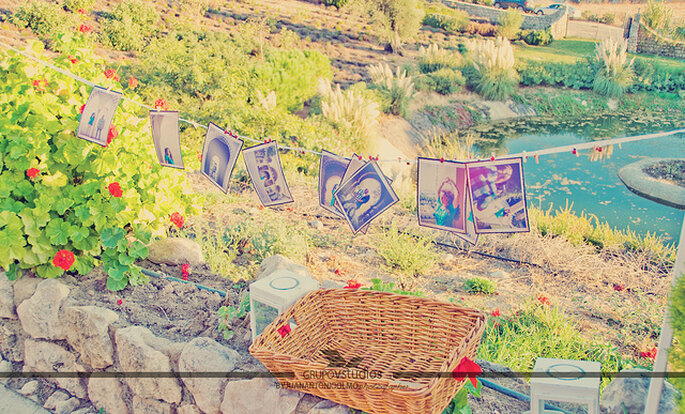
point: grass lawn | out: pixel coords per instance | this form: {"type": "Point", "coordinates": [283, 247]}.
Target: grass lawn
{"type": "Point", "coordinates": [565, 50]}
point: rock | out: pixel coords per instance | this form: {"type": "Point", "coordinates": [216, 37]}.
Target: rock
{"type": "Point", "coordinates": [6, 298]}
{"type": "Point", "coordinates": [57, 396]}
{"type": "Point", "coordinates": [329, 407]}
{"type": "Point", "coordinates": [150, 406]}
{"type": "Point", "coordinates": [68, 406]}
{"type": "Point", "coordinates": [278, 262]}
{"type": "Point", "coordinates": [5, 366]}
{"type": "Point", "coordinates": [137, 355]}
{"type": "Point", "coordinates": [40, 315]}
{"type": "Point", "coordinates": [24, 288]}
{"type": "Point", "coordinates": [48, 357]}
{"type": "Point", "coordinates": [188, 409]}
{"type": "Point", "coordinates": [331, 284]}
{"type": "Point", "coordinates": [84, 410]}
{"type": "Point", "coordinates": [87, 331]}
{"type": "Point", "coordinates": [207, 355]}
{"type": "Point", "coordinates": [107, 393]}
{"type": "Point", "coordinates": [29, 388]}
{"type": "Point", "coordinates": [632, 392]}
{"type": "Point", "coordinates": [316, 224]}
{"type": "Point", "coordinates": [242, 397]}
{"type": "Point", "coordinates": [175, 251]}
{"type": "Point", "coordinates": [499, 274]}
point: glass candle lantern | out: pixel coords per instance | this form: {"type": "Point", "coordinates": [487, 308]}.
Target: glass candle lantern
{"type": "Point", "coordinates": [273, 295]}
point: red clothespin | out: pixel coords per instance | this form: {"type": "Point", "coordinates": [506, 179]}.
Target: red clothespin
{"type": "Point", "coordinates": [599, 149]}
{"type": "Point", "coordinates": [442, 159]}
{"type": "Point", "coordinates": [492, 158]}
{"type": "Point", "coordinates": [537, 159]}
{"type": "Point", "coordinates": [360, 158]}
{"type": "Point", "coordinates": [265, 141]}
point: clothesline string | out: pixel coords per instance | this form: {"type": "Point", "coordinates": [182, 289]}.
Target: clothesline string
{"type": "Point", "coordinates": [524, 154]}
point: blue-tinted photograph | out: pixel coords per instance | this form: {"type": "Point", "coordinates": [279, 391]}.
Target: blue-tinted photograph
{"type": "Point", "coordinates": [441, 194]}
{"type": "Point", "coordinates": [219, 155]}
{"type": "Point", "coordinates": [97, 115]}
{"type": "Point", "coordinates": [331, 171]}
{"type": "Point", "coordinates": [364, 196]}
{"type": "Point", "coordinates": [266, 173]}
{"type": "Point", "coordinates": [165, 136]}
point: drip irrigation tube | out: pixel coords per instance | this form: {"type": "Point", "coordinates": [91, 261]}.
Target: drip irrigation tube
{"type": "Point", "coordinates": [175, 279]}
{"type": "Point", "coordinates": [515, 394]}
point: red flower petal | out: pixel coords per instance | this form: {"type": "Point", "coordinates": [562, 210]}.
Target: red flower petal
{"type": "Point", "coordinates": [63, 259]}
{"type": "Point", "coordinates": [284, 330]}
{"type": "Point", "coordinates": [132, 82]}
{"type": "Point", "coordinates": [177, 219]}
{"type": "Point", "coordinates": [84, 28]}
{"type": "Point", "coordinates": [352, 284]}
{"type": "Point", "coordinates": [110, 73]}
{"type": "Point", "coordinates": [32, 172]}
{"type": "Point", "coordinates": [161, 104]}
{"type": "Point", "coordinates": [80, 111]}
{"type": "Point", "coordinates": [73, 59]}
{"type": "Point", "coordinates": [467, 368]}
{"type": "Point", "coordinates": [115, 189]}
{"type": "Point", "coordinates": [113, 133]}
{"type": "Point", "coordinates": [119, 302]}
{"type": "Point", "coordinates": [496, 312]}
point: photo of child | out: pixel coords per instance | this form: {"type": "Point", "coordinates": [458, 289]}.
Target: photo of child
{"type": "Point", "coordinates": [264, 168]}
{"type": "Point", "coordinates": [331, 171]}
{"type": "Point", "coordinates": [441, 194]}
{"type": "Point", "coordinates": [470, 235]}
{"type": "Point", "coordinates": [364, 196]}
{"type": "Point", "coordinates": [498, 196]}
{"type": "Point", "coordinates": [166, 137]}
{"type": "Point", "coordinates": [97, 115]}
{"type": "Point", "coordinates": [219, 155]}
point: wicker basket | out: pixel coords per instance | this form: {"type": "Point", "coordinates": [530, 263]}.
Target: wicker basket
{"type": "Point", "coordinates": [375, 335]}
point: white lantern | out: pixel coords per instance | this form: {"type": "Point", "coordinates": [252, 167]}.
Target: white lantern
{"type": "Point", "coordinates": [273, 295]}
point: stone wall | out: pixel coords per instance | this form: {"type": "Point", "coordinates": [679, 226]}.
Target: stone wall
{"type": "Point", "coordinates": [43, 330]}
{"type": "Point", "coordinates": [558, 22]}
{"type": "Point", "coordinates": [642, 39]}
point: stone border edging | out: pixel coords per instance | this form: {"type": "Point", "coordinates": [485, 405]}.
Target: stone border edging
{"type": "Point", "coordinates": [637, 181]}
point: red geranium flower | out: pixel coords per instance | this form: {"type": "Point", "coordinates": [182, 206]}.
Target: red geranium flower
{"type": "Point", "coordinates": [111, 74]}
{"type": "Point", "coordinates": [177, 219]}
{"type": "Point", "coordinates": [132, 82]}
{"type": "Point", "coordinates": [84, 28]}
{"type": "Point", "coordinates": [619, 288]}
{"type": "Point", "coordinates": [284, 330]}
{"type": "Point", "coordinates": [63, 259]}
{"type": "Point", "coordinates": [651, 354]}
{"type": "Point", "coordinates": [161, 104]}
{"type": "Point", "coordinates": [544, 300]}
{"type": "Point", "coordinates": [352, 284]}
{"type": "Point", "coordinates": [119, 302]}
{"type": "Point", "coordinates": [115, 189]}
{"type": "Point", "coordinates": [38, 86]}
{"type": "Point", "coordinates": [184, 270]}
{"type": "Point", "coordinates": [467, 368]}
{"type": "Point", "coordinates": [73, 59]}
{"type": "Point", "coordinates": [113, 133]}
{"type": "Point", "coordinates": [80, 111]}
{"type": "Point", "coordinates": [32, 172]}
{"type": "Point", "coordinates": [496, 312]}
{"type": "Point", "coordinates": [81, 11]}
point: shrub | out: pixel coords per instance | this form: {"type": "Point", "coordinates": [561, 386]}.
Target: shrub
{"type": "Point", "coordinates": [395, 20]}
{"type": "Point", "coordinates": [615, 75]}
{"type": "Point", "coordinates": [494, 61]}
{"type": "Point", "coordinates": [538, 37]}
{"type": "Point", "coordinates": [44, 19]}
{"type": "Point", "coordinates": [349, 110]}
{"type": "Point", "coordinates": [336, 3]}
{"type": "Point", "coordinates": [410, 255]}
{"type": "Point", "coordinates": [480, 285]}
{"type": "Point", "coordinates": [657, 15]}
{"type": "Point", "coordinates": [654, 77]}
{"type": "Point", "coordinates": [130, 25]}
{"type": "Point", "coordinates": [396, 89]}
{"type": "Point", "coordinates": [69, 205]}
{"type": "Point", "coordinates": [446, 81]}
{"type": "Point", "coordinates": [608, 18]}
{"type": "Point", "coordinates": [579, 75]}
{"type": "Point", "coordinates": [198, 7]}
{"type": "Point", "coordinates": [292, 75]}
{"type": "Point", "coordinates": [510, 24]}
{"type": "Point", "coordinates": [433, 58]}
{"type": "Point", "coordinates": [482, 29]}
{"type": "Point", "coordinates": [589, 16]}
{"type": "Point", "coordinates": [677, 354]}
{"type": "Point", "coordinates": [75, 5]}
{"type": "Point", "coordinates": [442, 17]}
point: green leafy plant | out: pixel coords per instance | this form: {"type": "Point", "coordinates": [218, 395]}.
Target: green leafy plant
{"type": "Point", "coordinates": [408, 254]}
{"type": "Point", "coordinates": [442, 17]}
{"type": "Point", "coordinates": [395, 21]}
{"type": "Point", "coordinates": [228, 314]}
{"type": "Point", "coordinates": [480, 285]}
{"type": "Point", "coordinates": [397, 89]}
{"type": "Point", "coordinates": [64, 198]}
{"type": "Point", "coordinates": [538, 37]}
{"type": "Point", "coordinates": [446, 81]}
{"type": "Point", "coordinates": [494, 62]}
{"type": "Point", "coordinates": [616, 73]}
{"type": "Point", "coordinates": [460, 402]}
{"type": "Point", "coordinates": [75, 5]}
{"type": "Point", "coordinates": [677, 354]}
{"type": "Point", "coordinates": [658, 16]}
{"type": "Point", "coordinates": [131, 25]}
{"type": "Point", "coordinates": [510, 24]}
{"type": "Point", "coordinates": [337, 3]}
{"type": "Point", "coordinates": [380, 286]}
{"type": "Point", "coordinates": [45, 19]}
{"type": "Point", "coordinates": [577, 75]}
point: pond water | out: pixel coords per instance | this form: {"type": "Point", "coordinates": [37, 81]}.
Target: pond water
{"type": "Point", "coordinates": [590, 181]}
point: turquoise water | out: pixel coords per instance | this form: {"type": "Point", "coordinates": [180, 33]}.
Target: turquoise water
{"type": "Point", "coordinates": [594, 186]}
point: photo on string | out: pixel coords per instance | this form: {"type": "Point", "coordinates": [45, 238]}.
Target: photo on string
{"type": "Point", "coordinates": [365, 196]}
{"type": "Point", "coordinates": [470, 236]}
{"type": "Point", "coordinates": [219, 155]}
{"type": "Point", "coordinates": [166, 137]}
{"type": "Point", "coordinates": [97, 115]}
{"type": "Point", "coordinates": [441, 194]}
{"type": "Point", "coordinates": [331, 171]}
{"type": "Point", "coordinates": [266, 173]}
{"type": "Point", "coordinates": [498, 197]}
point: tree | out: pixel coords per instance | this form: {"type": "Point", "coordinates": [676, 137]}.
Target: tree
{"type": "Point", "coordinates": [395, 20]}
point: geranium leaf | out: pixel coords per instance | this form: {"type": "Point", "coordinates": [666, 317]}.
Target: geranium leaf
{"type": "Point", "coordinates": [115, 285]}
{"type": "Point", "coordinates": [58, 231]}
{"type": "Point", "coordinates": [138, 250]}
{"type": "Point", "coordinates": [63, 204]}
{"type": "Point", "coordinates": [111, 236]}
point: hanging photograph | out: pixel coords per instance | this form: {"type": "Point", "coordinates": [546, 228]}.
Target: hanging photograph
{"type": "Point", "coordinates": [470, 236]}
{"type": "Point", "coordinates": [219, 155]}
{"type": "Point", "coordinates": [498, 197]}
{"type": "Point", "coordinates": [331, 171]}
{"type": "Point", "coordinates": [264, 167]}
{"type": "Point", "coordinates": [365, 196]}
{"type": "Point", "coordinates": [441, 194]}
{"type": "Point", "coordinates": [165, 135]}
{"type": "Point", "coordinates": [97, 115]}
